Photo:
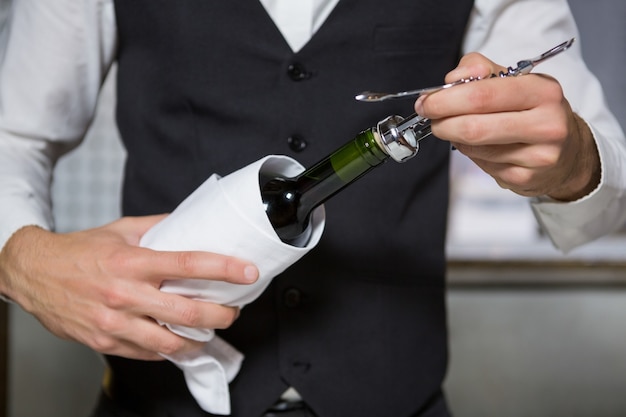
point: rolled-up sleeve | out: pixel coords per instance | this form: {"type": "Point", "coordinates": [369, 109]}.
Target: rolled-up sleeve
{"type": "Point", "coordinates": [53, 59]}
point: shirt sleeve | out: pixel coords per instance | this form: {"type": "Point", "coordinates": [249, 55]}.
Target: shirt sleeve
{"type": "Point", "coordinates": [509, 30]}
{"type": "Point", "coordinates": [53, 59]}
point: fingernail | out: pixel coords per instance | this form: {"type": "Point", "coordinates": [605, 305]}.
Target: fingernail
{"type": "Point", "coordinates": [419, 106]}
{"type": "Point", "coordinates": [250, 273]}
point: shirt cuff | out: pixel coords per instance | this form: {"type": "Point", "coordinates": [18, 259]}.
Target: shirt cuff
{"type": "Point", "coordinates": [18, 213]}
{"type": "Point", "coordinates": [571, 224]}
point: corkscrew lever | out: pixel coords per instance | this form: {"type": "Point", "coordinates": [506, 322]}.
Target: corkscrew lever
{"type": "Point", "coordinates": [527, 65]}
{"type": "Point", "coordinates": [523, 67]}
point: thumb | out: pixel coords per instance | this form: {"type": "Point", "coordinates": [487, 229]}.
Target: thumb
{"type": "Point", "coordinates": [135, 227]}
{"type": "Point", "coordinates": [474, 65]}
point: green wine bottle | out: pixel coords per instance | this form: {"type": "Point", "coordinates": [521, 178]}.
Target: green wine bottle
{"type": "Point", "coordinates": [289, 202]}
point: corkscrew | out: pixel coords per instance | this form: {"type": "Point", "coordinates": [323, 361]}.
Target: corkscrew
{"type": "Point", "coordinates": [523, 67]}
{"type": "Point", "coordinates": [400, 136]}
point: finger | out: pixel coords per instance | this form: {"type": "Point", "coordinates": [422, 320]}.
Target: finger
{"type": "Point", "coordinates": [134, 331]}
{"type": "Point", "coordinates": [158, 340]}
{"type": "Point", "coordinates": [544, 125]}
{"type": "Point", "coordinates": [142, 338]}
{"type": "Point", "coordinates": [480, 97]}
{"type": "Point", "coordinates": [491, 96]}
{"type": "Point", "coordinates": [193, 264]}
{"type": "Point", "coordinates": [135, 342]}
{"type": "Point", "coordinates": [473, 65]}
{"type": "Point", "coordinates": [135, 227]}
{"type": "Point", "coordinates": [513, 177]}
{"type": "Point", "coordinates": [183, 311]}
{"type": "Point", "coordinates": [535, 157]}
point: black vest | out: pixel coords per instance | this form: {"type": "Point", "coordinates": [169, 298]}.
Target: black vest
{"type": "Point", "coordinates": [358, 326]}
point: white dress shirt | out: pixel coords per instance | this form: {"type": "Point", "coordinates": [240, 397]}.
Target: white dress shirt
{"type": "Point", "coordinates": [54, 56]}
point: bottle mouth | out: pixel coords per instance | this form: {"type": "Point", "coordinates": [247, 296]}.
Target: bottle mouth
{"type": "Point", "coordinates": [401, 145]}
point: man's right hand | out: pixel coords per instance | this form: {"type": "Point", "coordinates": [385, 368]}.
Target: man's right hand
{"type": "Point", "coordinates": [98, 287]}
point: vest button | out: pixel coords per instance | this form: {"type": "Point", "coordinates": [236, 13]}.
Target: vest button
{"type": "Point", "coordinates": [297, 72]}
{"type": "Point", "coordinates": [292, 297]}
{"type": "Point", "coordinates": [296, 143]}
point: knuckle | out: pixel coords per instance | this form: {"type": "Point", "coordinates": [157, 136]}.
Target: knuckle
{"type": "Point", "coordinates": [226, 318]}
{"type": "Point", "coordinates": [547, 157]}
{"type": "Point", "coordinates": [481, 97]}
{"type": "Point", "coordinates": [229, 267]}
{"type": "Point", "coordinates": [190, 317]}
{"type": "Point", "coordinates": [519, 179]}
{"type": "Point", "coordinates": [171, 345]}
{"type": "Point", "coordinates": [186, 263]}
{"type": "Point", "coordinates": [115, 297]}
{"type": "Point", "coordinates": [117, 260]}
{"type": "Point", "coordinates": [558, 132]}
{"type": "Point", "coordinates": [472, 130]}
{"type": "Point", "coordinates": [102, 343]}
{"type": "Point", "coordinates": [553, 91]}
{"type": "Point", "coordinates": [106, 323]}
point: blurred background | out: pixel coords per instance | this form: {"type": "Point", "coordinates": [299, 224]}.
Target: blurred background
{"type": "Point", "coordinates": [533, 332]}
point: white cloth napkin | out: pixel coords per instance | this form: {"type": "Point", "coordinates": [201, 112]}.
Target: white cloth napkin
{"type": "Point", "coordinates": [225, 215]}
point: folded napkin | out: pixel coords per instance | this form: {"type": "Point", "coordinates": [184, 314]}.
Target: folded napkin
{"type": "Point", "coordinates": [225, 215]}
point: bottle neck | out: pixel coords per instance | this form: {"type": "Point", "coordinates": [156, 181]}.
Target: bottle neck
{"type": "Point", "coordinates": [289, 201]}
{"type": "Point", "coordinates": [339, 169]}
